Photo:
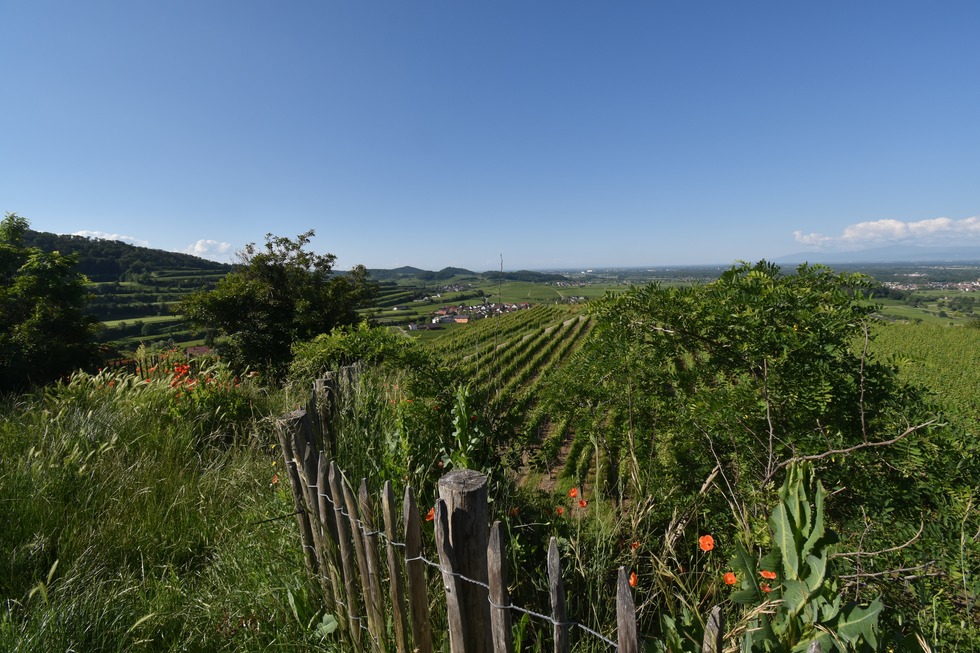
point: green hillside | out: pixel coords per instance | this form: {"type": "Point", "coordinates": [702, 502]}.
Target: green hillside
{"type": "Point", "coordinates": [134, 289]}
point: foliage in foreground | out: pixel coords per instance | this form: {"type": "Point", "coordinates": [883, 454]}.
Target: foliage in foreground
{"type": "Point", "coordinates": [133, 518]}
{"type": "Point", "coordinates": [44, 332]}
{"type": "Point", "coordinates": [690, 403]}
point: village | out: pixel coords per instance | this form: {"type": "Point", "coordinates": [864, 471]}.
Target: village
{"type": "Point", "coordinates": [462, 314]}
{"type": "Point", "coordinates": [963, 286]}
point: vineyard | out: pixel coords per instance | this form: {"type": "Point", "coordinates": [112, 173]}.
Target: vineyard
{"type": "Point", "coordinates": [944, 359]}
{"type": "Point", "coordinates": [507, 360]}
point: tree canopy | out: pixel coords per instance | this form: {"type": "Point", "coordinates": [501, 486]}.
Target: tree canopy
{"type": "Point", "coordinates": [278, 295]}
{"type": "Point", "coordinates": [44, 331]}
{"type": "Point", "coordinates": [741, 376]}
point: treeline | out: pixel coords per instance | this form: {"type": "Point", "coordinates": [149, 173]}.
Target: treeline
{"type": "Point", "coordinates": [113, 260]}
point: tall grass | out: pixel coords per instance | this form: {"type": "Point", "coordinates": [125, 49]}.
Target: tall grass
{"type": "Point", "coordinates": [127, 527]}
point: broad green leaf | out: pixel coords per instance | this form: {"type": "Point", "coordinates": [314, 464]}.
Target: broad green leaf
{"type": "Point", "coordinates": [817, 567]}
{"type": "Point", "coordinates": [782, 533]}
{"type": "Point", "coordinates": [817, 530]}
{"type": "Point", "coordinates": [748, 596]}
{"type": "Point", "coordinates": [827, 643]}
{"type": "Point", "coordinates": [857, 622]}
{"type": "Point", "coordinates": [795, 595]}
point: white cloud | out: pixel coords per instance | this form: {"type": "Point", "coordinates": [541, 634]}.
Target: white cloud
{"type": "Point", "coordinates": [104, 236]}
{"type": "Point", "coordinates": [934, 231]}
{"type": "Point", "coordinates": [214, 250]}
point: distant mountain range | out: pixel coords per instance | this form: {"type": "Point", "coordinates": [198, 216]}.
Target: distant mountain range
{"type": "Point", "coordinates": [460, 274]}
{"type": "Point", "coordinates": [892, 254]}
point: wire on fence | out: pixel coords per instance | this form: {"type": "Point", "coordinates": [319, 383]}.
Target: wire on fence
{"type": "Point", "coordinates": [435, 565]}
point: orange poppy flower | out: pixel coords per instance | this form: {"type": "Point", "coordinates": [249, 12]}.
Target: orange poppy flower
{"type": "Point", "coordinates": [429, 516]}
{"type": "Point", "coordinates": [582, 503]}
{"type": "Point", "coordinates": [275, 479]}
{"type": "Point", "coordinates": [573, 492]}
{"type": "Point", "coordinates": [634, 546]}
{"type": "Point", "coordinates": [706, 542]}
{"type": "Point", "coordinates": [771, 575]}
{"type": "Point", "coordinates": [633, 579]}
{"type": "Point", "coordinates": [729, 578]}
{"type": "Point", "coordinates": [765, 588]}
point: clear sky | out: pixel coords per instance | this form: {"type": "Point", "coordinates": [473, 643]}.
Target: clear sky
{"type": "Point", "coordinates": [431, 133]}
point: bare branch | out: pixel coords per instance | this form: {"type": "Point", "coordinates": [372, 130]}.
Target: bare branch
{"type": "Point", "coordinates": [864, 355]}
{"type": "Point", "coordinates": [864, 445]}
{"type": "Point", "coordinates": [889, 550]}
{"type": "Point", "coordinates": [890, 572]}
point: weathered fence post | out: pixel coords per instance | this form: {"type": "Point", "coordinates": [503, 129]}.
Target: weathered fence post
{"type": "Point", "coordinates": [451, 582]}
{"type": "Point", "coordinates": [329, 572]}
{"type": "Point", "coordinates": [344, 540]}
{"type": "Point", "coordinates": [464, 492]}
{"type": "Point", "coordinates": [287, 427]}
{"type": "Point", "coordinates": [306, 455]}
{"type": "Point", "coordinates": [625, 616]}
{"type": "Point", "coordinates": [325, 390]}
{"type": "Point", "coordinates": [394, 570]}
{"type": "Point", "coordinates": [360, 555]}
{"type": "Point", "coordinates": [714, 632]}
{"type": "Point", "coordinates": [415, 571]}
{"type": "Point", "coordinates": [559, 611]}
{"type": "Point", "coordinates": [374, 602]}
{"type": "Point", "coordinates": [500, 621]}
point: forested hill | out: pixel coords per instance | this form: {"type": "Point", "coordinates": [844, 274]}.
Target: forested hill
{"type": "Point", "coordinates": [457, 274]}
{"type": "Point", "coordinates": [113, 260]}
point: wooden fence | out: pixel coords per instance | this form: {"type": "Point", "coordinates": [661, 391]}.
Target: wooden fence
{"type": "Point", "coordinates": [343, 545]}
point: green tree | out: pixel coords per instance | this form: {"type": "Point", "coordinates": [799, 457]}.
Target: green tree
{"type": "Point", "coordinates": [278, 295]}
{"type": "Point", "coordinates": [743, 375]}
{"type": "Point", "coordinates": [44, 331]}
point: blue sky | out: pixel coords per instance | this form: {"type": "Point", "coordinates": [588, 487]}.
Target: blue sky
{"type": "Point", "coordinates": [552, 134]}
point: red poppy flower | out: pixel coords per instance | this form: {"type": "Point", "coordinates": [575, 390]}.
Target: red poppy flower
{"type": "Point", "coordinates": [706, 542]}
{"type": "Point", "coordinates": [729, 578]}
{"type": "Point", "coordinates": [634, 546]}
{"type": "Point", "coordinates": [559, 511]}
{"type": "Point", "coordinates": [633, 579]}
{"type": "Point", "coordinates": [514, 512]}
{"type": "Point", "coordinates": [765, 588]}
{"type": "Point", "coordinates": [429, 516]}
{"type": "Point", "coordinates": [583, 503]}
{"type": "Point", "coordinates": [573, 492]}
{"type": "Point", "coordinates": [275, 479]}
{"type": "Point", "coordinates": [771, 575]}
